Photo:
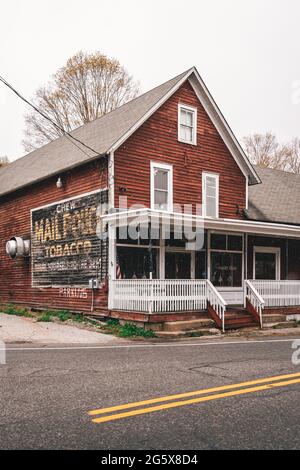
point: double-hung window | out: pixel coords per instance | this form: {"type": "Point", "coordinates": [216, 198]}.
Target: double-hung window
{"type": "Point", "coordinates": [161, 187]}
{"type": "Point", "coordinates": [187, 124]}
{"type": "Point", "coordinates": [210, 195]}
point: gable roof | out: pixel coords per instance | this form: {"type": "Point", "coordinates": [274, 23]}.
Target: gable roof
{"type": "Point", "coordinates": [108, 132]}
{"type": "Point", "coordinates": [277, 199]}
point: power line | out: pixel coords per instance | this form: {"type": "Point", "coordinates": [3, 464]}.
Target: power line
{"type": "Point", "coordinates": [65, 133]}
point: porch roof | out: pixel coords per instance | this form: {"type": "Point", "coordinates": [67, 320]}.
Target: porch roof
{"type": "Point", "coordinates": [142, 216]}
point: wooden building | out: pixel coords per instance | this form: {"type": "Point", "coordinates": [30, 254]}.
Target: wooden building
{"type": "Point", "coordinates": [97, 230]}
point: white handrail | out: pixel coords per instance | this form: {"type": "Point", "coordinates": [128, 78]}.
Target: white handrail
{"type": "Point", "coordinates": [217, 302]}
{"type": "Point", "coordinates": [255, 299]}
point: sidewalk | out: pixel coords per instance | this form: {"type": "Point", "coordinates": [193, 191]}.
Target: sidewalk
{"type": "Point", "coordinates": [14, 329]}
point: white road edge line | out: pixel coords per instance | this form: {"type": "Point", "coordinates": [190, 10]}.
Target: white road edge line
{"type": "Point", "coordinates": [153, 345]}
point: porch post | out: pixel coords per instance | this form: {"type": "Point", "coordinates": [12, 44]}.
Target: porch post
{"type": "Point", "coordinates": [111, 230]}
{"type": "Point", "coordinates": [208, 255]}
{"type": "Point", "coordinates": [246, 257]}
{"type": "Point", "coordinates": [111, 262]}
{"type": "Point", "coordinates": [162, 252]}
{"type": "Point", "coordinates": [150, 268]}
{"type": "Point", "coordinates": [245, 274]}
{"type": "Point", "coordinates": [286, 258]}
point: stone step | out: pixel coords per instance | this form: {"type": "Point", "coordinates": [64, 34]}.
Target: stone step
{"type": "Point", "coordinates": [189, 333]}
{"type": "Point", "coordinates": [188, 325]}
{"type": "Point", "coordinates": [274, 326]}
{"type": "Point", "coordinates": [238, 326]}
{"type": "Point", "coordinates": [274, 318]}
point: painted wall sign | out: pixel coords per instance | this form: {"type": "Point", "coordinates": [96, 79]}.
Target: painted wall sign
{"type": "Point", "coordinates": [73, 293]}
{"type": "Point", "coordinates": [69, 245]}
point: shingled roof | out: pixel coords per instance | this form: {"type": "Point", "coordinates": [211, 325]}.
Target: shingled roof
{"type": "Point", "coordinates": [277, 198]}
{"type": "Point", "coordinates": [108, 132]}
{"type": "Point", "coordinates": [101, 134]}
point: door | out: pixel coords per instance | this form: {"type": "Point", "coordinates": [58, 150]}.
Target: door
{"type": "Point", "coordinates": [178, 265]}
{"type": "Point", "coordinates": [266, 263]}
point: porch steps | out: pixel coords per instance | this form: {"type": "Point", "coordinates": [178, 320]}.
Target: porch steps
{"type": "Point", "coordinates": [236, 318]}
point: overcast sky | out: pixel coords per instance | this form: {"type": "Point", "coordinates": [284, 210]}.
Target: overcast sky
{"type": "Point", "coordinates": [247, 51]}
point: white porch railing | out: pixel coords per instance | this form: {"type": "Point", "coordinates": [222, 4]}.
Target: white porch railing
{"type": "Point", "coordinates": [216, 301]}
{"type": "Point", "coordinates": [255, 299]}
{"type": "Point", "coordinates": [278, 293]}
{"type": "Point", "coordinates": [158, 295]}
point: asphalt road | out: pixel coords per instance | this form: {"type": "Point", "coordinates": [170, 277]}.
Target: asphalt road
{"type": "Point", "coordinates": [45, 397]}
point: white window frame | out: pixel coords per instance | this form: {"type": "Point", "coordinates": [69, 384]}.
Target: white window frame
{"type": "Point", "coordinates": [216, 177]}
{"type": "Point", "coordinates": [268, 249]}
{"type": "Point", "coordinates": [169, 168]}
{"type": "Point", "coordinates": [215, 250]}
{"type": "Point", "coordinates": [194, 111]}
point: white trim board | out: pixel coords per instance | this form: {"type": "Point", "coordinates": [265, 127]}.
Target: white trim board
{"type": "Point", "coordinates": [228, 225]}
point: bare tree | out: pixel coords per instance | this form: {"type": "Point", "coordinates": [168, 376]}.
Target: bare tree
{"type": "Point", "coordinates": [265, 151]}
{"type": "Point", "coordinates": [88, 86]}
{"type": "Point", "coordinates": [294, 157]}
{"type": "Point", "coordinates": [3, 161]}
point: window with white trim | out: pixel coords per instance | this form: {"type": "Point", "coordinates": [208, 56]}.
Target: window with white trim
{"type": "Point", "coordinates": [210, 195]}
{"type": "Point", "coordinates": [161, 186]}
{"type": "Point", "coordinates": [187, 124]}
{"type": "Point", "coordinates": [226, 260]}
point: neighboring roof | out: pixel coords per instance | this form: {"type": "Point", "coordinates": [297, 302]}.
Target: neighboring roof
{"type": "Point", "coordinates": [277, 198]}
{"type": "Point", "coordinates": [109, 132]}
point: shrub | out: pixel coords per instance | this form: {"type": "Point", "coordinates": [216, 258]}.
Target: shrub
{"type": "Point", "coordinates": [13, 310]}
{"type": "Point", "coordinates": [129, 330]}
{"type": "Point", "coordinates": [45, 317]}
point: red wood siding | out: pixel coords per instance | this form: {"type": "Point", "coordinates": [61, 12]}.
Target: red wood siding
{"type": "Point", "coordinates": [157, 140]}
{"type": "Point", "coordinates": [15, 275]}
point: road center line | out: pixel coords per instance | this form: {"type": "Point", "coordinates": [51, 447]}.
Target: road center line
{"type": "Point", "coordinates": [191, 394]}
{"type": "Point", "coordinates": [167, 406]}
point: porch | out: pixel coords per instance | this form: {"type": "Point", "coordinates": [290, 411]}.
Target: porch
{"type": "Point", "coordinates": [172, 297]}
{"type": "Point", "coordinates": [250, 266]}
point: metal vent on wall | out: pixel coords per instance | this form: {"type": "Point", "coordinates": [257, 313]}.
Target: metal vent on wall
{"type": "Point", "coordinates": [17, 247]}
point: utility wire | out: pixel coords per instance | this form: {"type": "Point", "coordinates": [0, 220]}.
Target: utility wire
{"type": "Point", "coordinates": [65, 133]}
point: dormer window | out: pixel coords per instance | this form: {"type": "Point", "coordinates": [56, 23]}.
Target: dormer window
{"type": "Point", "coordinates": [187, 124]}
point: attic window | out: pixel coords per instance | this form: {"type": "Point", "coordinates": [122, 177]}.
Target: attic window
{"type": "Point", "coordinates": [187, 124]}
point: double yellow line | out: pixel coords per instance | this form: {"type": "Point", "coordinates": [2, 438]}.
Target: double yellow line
{"type": "Point", "coordinates": [210, 394]}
